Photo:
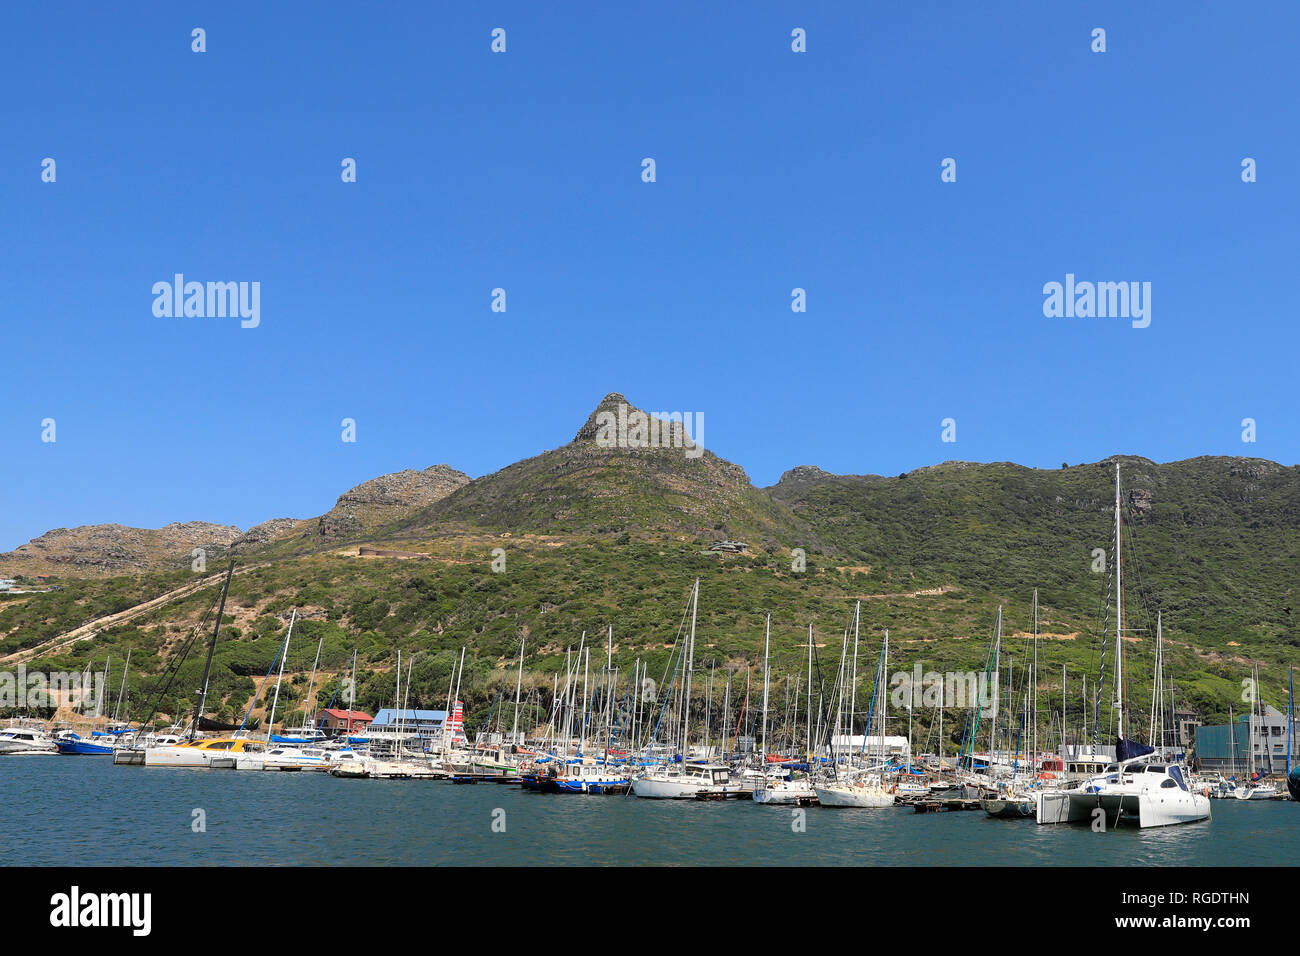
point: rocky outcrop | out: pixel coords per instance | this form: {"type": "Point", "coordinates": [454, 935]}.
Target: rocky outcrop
{"type": "Point", "coordinates": [388, 498]}
{"type": "Point", "coordinates": [115, 548]}
{"type": "Point", "coordinates": [262, 533]}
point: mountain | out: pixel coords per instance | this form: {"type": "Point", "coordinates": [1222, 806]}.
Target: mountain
{"type": "Point", "coordinates": [382, 501]}
{"type": "Point", "coordinates": [601, 484]}
{"type": "Point", "coordinates": [1211, 539]}
{"type": "Point", "coordinates": [106, 549]}
{"type": "Point", "coordinates": [608, 529]}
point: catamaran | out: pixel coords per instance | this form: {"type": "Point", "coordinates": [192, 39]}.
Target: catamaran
{"type": "Point", "coordinates": [1142, 785]}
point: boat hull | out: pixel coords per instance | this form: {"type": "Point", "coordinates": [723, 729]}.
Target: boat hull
{"type": "Point", "coordinates": [863, 798]}
{"type": "Point", "coordinates": [658, 789]}
{"type": "Point", "coordinates": [1008, 809]}
{"type": "Point", "coordinates": [1145, 809]}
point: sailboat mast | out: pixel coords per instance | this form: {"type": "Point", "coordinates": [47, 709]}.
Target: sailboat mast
{"type": "Point", "coordinates": [212, 646]}
{"type": "Point", "coordinates": [690, 665]}
{"type": "Point", "coordinates": [519, 683]}
{"type": "Point", "coordinates": [853, 693]}
{"type": "Point", "coordinates": [311, 684]}
{"type": "Point", "coordinates": [284, 652]}
{"type": "Point", "coordinates": [1119, 615]}
{"type": "Point", "coordinates": [352, 692]}
{"type": "Point", "coordinates": [121, 691]}
{"type": "Point", "coordinates": [767, 642]}
{"type": "Point", "coordinates": [809, 728]}
{"type": "Point", "coordinates": [1033, 677]}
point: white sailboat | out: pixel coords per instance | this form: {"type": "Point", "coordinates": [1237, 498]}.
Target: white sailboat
{"type": "Point", "coordinates": [863, 788]}
{"type": "Point", "coordinates": [685, 780]}
{"type": "Point", "coordinates": [778, 786]}
{"type": "Point", "coordinates": [1256, 789]}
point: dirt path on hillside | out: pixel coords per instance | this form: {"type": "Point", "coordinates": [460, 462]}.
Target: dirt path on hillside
{"type": "Point", "coordinates": [88, 630]}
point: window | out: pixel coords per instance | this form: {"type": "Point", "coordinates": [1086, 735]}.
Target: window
{"type": "Point", "coordinates": [1167, 784]}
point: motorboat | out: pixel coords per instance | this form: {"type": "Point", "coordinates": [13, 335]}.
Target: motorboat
{"type": "Point", "coordinates": [790, 790]}
{"type": "Point", "coordinates": [590, 778]}
{"type": "Point", "coordinates": [685, 782]}
{"type": "Point", "coordinates": [296, 758]}
{"type": "Point", "coordinates": [26, 738]}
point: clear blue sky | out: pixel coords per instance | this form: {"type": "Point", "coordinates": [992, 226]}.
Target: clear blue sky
{"type": "Point", "coordinates": [522, 171]}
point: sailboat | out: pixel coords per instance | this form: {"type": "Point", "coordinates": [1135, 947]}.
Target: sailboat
{"type": "Point", "coordinates": [1142, 784]}
{"type": "Point", "coordinates": [686, 780]}
{"type": "Point", "coordinates": [863, 787]}
{"type": "Point", "coordinates": [222, 751]}
{"type": "Point", "coordinates": [1015, 800]}
{"type": "Point", "coordinates": [781, 785]}
{"type": "Point", "coordinates": [1292, 773]}
{"type": "Point", "coordinates": [1256, 789]}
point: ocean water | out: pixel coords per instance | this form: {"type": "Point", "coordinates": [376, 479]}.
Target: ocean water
{"type": "Point", "coordinates": [83, 811]}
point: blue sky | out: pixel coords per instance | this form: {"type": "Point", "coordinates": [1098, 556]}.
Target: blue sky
{"type": "Point", "coordinates": [522, 170]}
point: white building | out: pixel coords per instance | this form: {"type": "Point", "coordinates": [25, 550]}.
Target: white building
{"type": "Point", "coordinates": [896, 748]}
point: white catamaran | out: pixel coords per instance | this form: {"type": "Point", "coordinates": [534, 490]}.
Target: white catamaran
{"type": "Point", "coordinates": [1143, 786]}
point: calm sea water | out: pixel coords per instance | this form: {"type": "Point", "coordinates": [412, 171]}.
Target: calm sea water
{"type": "Point", "coordinates": [83, 811]}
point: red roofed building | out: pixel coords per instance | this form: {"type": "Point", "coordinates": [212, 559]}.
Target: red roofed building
{"type": "Point", "coordinates": [336, 722]}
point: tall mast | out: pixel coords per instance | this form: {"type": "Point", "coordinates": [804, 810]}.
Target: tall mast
{"type": "Point", "coordinates": [1033, 677]}
{"type": "Point", "coordinates": [122, 690]}
{"type": "Point", "coordinates": [997, 676]}
{"type": "Point", "coordinates": [1119, 616]}
{"type": "Point", "coordinates": [767, 642]}
{"type": "Point", "coordinates": [609, 690]}
{"type": "Point", "coordinates": [311, 683]}
{"type": "Point", "coordinates": [212, 646]}
{"type": "Point", "coordinates": [884, 702]}
{"type": "Point", "coordinates": [519, 683]}
{"type": "Point", "coordinates": [352, 691]}
{"type": "Point", "coordinates": [853, 693]}
{"type": "Point", "coordinates": [809, 728]}
{"type": "Point", "coordinates": [690, 664]}
{"type": "Point", "coordinates": [284, 652]}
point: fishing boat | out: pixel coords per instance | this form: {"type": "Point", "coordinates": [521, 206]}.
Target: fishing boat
{"type": "Point", "coordinates": [587, 776]}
